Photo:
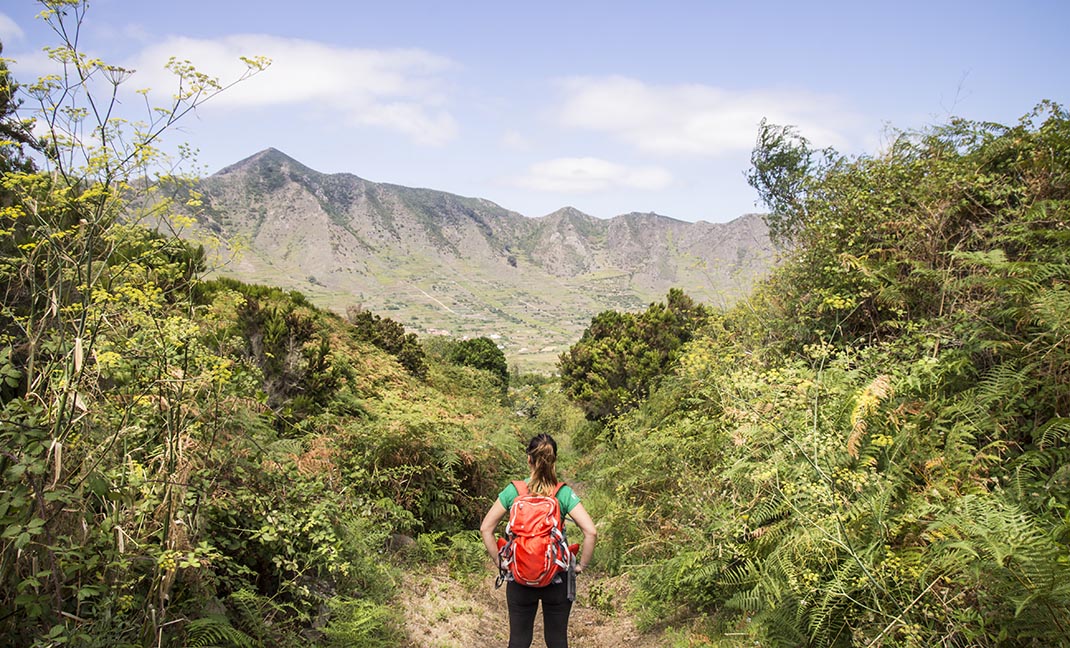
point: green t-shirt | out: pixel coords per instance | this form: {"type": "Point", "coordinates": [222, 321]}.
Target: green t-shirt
{"type": "Point", "coordinates": [566, 497]}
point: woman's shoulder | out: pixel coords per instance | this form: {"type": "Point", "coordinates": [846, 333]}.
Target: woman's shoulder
{"type": "Point", "coordinates": [508, 494]}
{"type": "Point", "coordinates": [568, 498]}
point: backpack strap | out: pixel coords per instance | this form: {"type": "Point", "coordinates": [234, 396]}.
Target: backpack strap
{"type": "Point", "coordinates": [521, 487]}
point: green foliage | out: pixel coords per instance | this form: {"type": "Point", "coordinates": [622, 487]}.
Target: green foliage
{"type": "Point", "coordinates": [360, 623]}
{"type": "Point", "coordinates": [621, 355]}
{"type": "Point", "coordinates": [432, 471]}
{"type": "Point", "coordinates": [467, 555]}
{"type": "Point", "coordinates": [888, 240]}
{"type": "Point", "coordinates": [461, 553]}
{"type": "Point", "coordinates": [101, 365]}
{"type": "Point", "coordinates": [476, 365]}
{"type": "Point", "coordinates": [872, 450]}
{"type": "Point", "coordinates": [601, 598]}
{"type": "Point", "coordinates": [783, 166]}
{"type": "Point", "coordinates": [216, 632]}
{"type": "Point", "coordinates": [390, 336]}
{"type": "Point", "coordinates": [287, 340]}
{"type": "Point", "coordinates": [481, 353]}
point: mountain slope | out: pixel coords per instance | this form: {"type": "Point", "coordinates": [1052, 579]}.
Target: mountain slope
{"type": "Point", "coordinates": [441, 262]}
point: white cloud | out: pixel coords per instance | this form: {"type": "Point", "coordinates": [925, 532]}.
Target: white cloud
{"type": "Point", "coordinates": [694, 119]}
{"type": "Point", "coordinates": [589, 174]}
{"type": "Point", "coordinates": [515, 141]}
{"type": "Point", "coordinates": [402, 90]}
{"type": "Point", "coordinates": [9, 30]}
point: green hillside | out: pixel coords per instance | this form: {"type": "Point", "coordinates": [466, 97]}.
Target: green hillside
{"type": "Point", "coordinates": [873, 449]}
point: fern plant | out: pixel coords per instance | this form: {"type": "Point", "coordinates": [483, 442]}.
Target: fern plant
{"type": "Point", "coordinates": [216, 632]}
{"type": "Point", "coordinates": [358, 623]}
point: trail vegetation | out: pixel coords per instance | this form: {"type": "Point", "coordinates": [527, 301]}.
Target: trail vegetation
{"type": "Point", "coordinates": [870, 450]}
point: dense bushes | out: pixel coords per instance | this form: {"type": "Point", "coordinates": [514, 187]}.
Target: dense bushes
{"type": "Point", "coordinates": [390, 336]}
{"type": "Point", "coordinates": [481, 353]}
{"type": "Point", "coordinates": [621, 355]}
{"type": "Point", "coordinates": [873, 449]}
{"type": "Point", "coordinates": [228, 464]}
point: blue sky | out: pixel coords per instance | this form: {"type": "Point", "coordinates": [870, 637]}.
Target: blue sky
{"type": "Point", "coordinates": [608, 107]}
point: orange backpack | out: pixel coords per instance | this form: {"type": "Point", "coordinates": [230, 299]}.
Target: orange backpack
{"type": "Point", "coordinates": [534, 549]}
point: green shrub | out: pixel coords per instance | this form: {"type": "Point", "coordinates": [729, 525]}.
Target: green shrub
{"type": "Point", "coordinates": [360, 623]}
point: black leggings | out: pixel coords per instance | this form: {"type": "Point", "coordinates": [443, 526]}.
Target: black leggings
{"type": "Point", "coordinates": [524, 602]}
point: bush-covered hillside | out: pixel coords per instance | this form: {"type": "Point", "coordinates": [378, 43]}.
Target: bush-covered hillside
{"type": "Point", "coordinates": [873, 449]}
{"type": "Point", "coordinates": [200, 461]}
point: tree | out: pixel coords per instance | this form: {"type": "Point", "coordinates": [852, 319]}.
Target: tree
{"type": "Point", "coordinates": [482, 353]}
{"type": "Point", "coordinates": [15, 133]}
{"type": "Point", "coordinates": [390, 336]}
{"type": "Point", "coordinates": [783, 168]}
{"type": "Point", "coordinates": [621, 355]}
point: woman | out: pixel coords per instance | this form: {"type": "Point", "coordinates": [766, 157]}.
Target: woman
{"type": "Point", "coordinates": [523, 600]}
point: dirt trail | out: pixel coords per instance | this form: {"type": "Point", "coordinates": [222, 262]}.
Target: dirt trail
{"type": "Point", "coordinates": [442, 612]}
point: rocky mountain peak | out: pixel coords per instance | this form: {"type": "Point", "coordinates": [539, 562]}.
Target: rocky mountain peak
{"type": "Point", "coordinates": [266, 161]}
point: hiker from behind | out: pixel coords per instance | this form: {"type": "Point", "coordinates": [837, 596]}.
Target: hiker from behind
{"type": "Point", "coordinates": [534, 557]}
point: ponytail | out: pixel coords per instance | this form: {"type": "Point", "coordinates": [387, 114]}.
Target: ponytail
{"type": "Point", "coordinates": [542, 452]}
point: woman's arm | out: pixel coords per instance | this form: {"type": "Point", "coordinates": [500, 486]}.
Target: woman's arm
{"type": "Point", "coordinates": [486, 529]}
{"type": "Point", "coordinates": [590, 534]}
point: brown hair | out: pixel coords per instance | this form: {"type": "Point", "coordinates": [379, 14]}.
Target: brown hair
{"type": "Point", "coordinates": [542, 453]}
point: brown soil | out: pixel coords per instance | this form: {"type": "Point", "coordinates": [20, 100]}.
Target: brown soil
{"type": "Point", "coordinates": [443, 612]}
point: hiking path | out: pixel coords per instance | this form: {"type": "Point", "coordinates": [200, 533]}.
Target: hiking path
{"type": "Point", "coordinates": [443, 612]}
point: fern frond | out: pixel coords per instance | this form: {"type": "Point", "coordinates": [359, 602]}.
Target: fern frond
{"type": "Point", "coordinates": [1055, 432]}
{"type": "Point", "coordinates": [1036, 472]}
{"type": "Point", "coordinates": [766, 511]}
{"type": "Point", "coordinates": [360, 622]}
{"type": "Point", "coordinates": [1001, 383]}
{"type": "Point", "coordinates": [286, 447]}
{"type": "Point", "coordinates": [737, 576]}
{"type": "Point", "coordinates": [251, 612]}
{"type": "Point", "coordinates": [216, 632]}
{"type": "Point", "coordinates": [746, 601]}
{"type": "Point", "coordinates": [998, 546]}
{"type": "Point", "coordinates": [829, 600]}
{"type": "Point", "coordinates": [867, 402]}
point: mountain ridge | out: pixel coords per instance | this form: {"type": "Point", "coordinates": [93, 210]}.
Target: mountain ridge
{"type": "Point", "coordinates": [440, 262]}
